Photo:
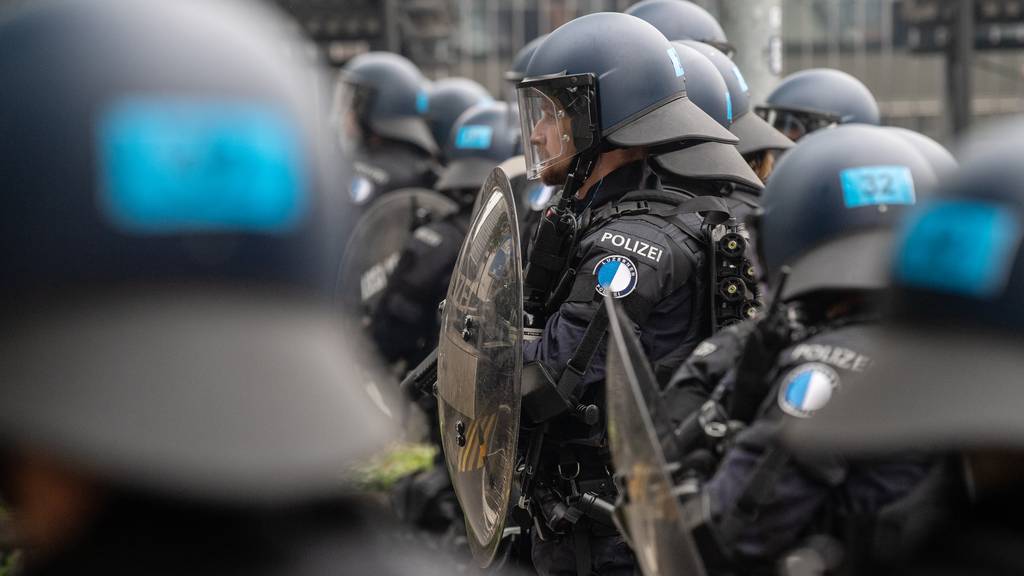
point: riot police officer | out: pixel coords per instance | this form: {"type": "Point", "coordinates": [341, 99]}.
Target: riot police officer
{"type": "Point", "coordinates": [380, 102]}
{"type": "Point", "coordinates": [448, 99]}
{"type": "Point", "coordinates": [591, 110]}
{"type": "Point", "coordinates": [828, 217]}
{"type": "Point", "coordinates": [404, 325]}
{"type": "Point", "coordinates": [683, 20]}
{"type": "Point", "coordinates": [813, 99]}
{"type": "Point", "coordinates": [954, 325]}
{"type": "Point", "coordinates": [175, 396]}
{"type": "Point", "coordinates": [759, 141]}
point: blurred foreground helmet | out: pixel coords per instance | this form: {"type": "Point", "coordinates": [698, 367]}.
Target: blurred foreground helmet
{"type": "Point", "coordinates": [941, 160]}
{"type": "Point", "coordinates": [951, 375]}
{"type": "Point", "coordinates": [171, 232]}
{"type": "Point", "coordinates": [606, 80]}
{"type": "Point", "coordinates": [831, 205]}
{"type": "Point", "coordinates": [754, 133]}
{"type": "Point", "coordinates": [682, 20]}
{"type": "Point", "coordinates": [450, 97]}
{"type": "Point", "coordinates": [388, 96]}
{"type": "Point", "coordinates": [712, 160]}
{"type": "Point", "coordinates": [483, 137]}
{"type": "Point", "coordinates": [809, 100]}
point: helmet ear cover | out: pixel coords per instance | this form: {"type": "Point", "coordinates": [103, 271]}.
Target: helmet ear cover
{"type": "Point", "coordinates": [579, 97]}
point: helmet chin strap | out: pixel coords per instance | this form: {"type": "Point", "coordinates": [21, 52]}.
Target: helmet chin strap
{"type": "Point", "coordinates": [580, 170]}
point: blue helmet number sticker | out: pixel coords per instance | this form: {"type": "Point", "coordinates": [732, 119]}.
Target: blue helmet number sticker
{"type": "Point", "coordinates": [676, 64]}
{"type": "Point", "coordinates": [877, 186]}
{"type": "Point", "coordinates": [739, 78]}
{"type": "Point", "coordinates": [961, 246]}
{"type": "Point", "coordinates": [173, 166]}
{"type": "Point", "coordinates": [474, 137]}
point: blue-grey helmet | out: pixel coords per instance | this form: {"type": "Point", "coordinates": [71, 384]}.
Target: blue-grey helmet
{"type": "Point", "coordinates": [754, 133]}
{"type": "Point", "coordinates": [170, 244]}
{"type": "Point", "coordinates": [947, 375]}
{"type": "Point", "coordinates": [606, 80]}
{"type": "Point", "coordinates": [942, 160]}
{"type": "Point", "coordinates": [448, 99]}
{"type": "Point", "coordinates": [682, 20]}
{"type": "Point", "coordinates": [517, 70]}
{"type": "Point", "coordinates": [809, 100]}
{"type": "Point", "coordinates": [388, 96]}
{"type": "Point", "coordinates": [483, 137]}
{"type": "Point", "coordinates": [713, 161]}
{"type": "Point", "coordinates": [830, 208]}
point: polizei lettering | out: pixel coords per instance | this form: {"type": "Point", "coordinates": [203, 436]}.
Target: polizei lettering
{"type": "Point", "coordinates": [638, 247]}
{"type": "Point", "coordinates": [835, 355]}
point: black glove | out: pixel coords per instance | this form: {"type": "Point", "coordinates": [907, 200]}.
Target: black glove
{"type": "Point", "coordinates": [754, 369]}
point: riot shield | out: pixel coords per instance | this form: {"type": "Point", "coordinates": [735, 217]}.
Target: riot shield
{"type": "Point", "coordinates": [376, 244]}
{"type": "Point", "coordinates": [531, 196]}
{"type": "Point", "coordinates": [649, 512]}
{"type": "Point", "coordinates": [479, 363]}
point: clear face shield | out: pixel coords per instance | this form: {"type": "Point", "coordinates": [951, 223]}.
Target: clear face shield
{"type": "Point", "coordinates": [348, 105]}
{"type": "Point", "coordinates": [559, 117]}
{"type": "Point", "coordinates": [794, 124]}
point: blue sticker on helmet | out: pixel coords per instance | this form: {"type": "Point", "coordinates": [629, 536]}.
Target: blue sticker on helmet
{"type": "Point", "coordinates": [877, 185]}
{"type": "Point", "coordinates": [674, 56]}
{"type": "Point", "coordinates": [728, 106]}
{"type": "Point", "coordinates": [171, 166]}
{"type": "Point", "coordinates": [422, 102]}
{"type": "Point", "coordinates": [961, 246]}
{"type": "Point", "coordinates": [474, 137]}
{"type": "Point", "coordinates": [739, 78]}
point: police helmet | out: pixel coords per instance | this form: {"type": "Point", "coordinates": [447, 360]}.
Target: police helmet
{"type": "Point", "coordinates": [606, 80]}
{"type": "Point", "coordinates": [171, 235]}
{"type": "Point", "coordinates": [682, 20]}
{"type": "Point", "coordinates": [448, 98]}
{"type": "Point", "coordinates": [809, 100]}
{"type": "Point", "coordinates": [517, 71]}
{"type": "Point", "coordinates": [388, 95]}
{"type": "Point", "coordinates": [711, 160]}
{"type": "Point", "coordinates": [948, 375]}
{"type": "Point", "coordinates": [941, 160]}
{"type": "Point", "coordinates": [829, 209]}
{"type": "Point", "coordinates": [483, 137]}
{"type": "Point", "coordinates": [754, 133]}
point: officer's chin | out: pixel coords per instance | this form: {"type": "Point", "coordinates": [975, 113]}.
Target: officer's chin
{"type": "Point", "coordinates": [555, 175]}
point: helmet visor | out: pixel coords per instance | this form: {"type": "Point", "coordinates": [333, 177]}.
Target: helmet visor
{"type": "Point", "coordinates": [559, 120]}
{"type": "Point", "coordinates": [795, 124]}
{"type": "Point", "coordinates": [348, 105]}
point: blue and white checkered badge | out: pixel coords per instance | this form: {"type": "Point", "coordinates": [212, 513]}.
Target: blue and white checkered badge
{"type": "Point", "coordinates": [616, 275]}
{"type": "Point", "coordinates": [807, 389]}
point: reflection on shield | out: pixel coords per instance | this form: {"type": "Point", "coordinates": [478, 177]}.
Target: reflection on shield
{"type": "Point", "coordinates": [479, 363]}
{"type": "Point", "coordinates": [376, 244]}
{"type": "Point", "coordinates": [649, 512]}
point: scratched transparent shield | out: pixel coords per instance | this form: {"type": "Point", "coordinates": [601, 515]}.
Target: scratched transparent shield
{"type": "Point", "coordinates": [377, 241]}
{"type": "Point", "coordinates": [648, 512]}
{"type": "Point", "coordinates": [479, 363]}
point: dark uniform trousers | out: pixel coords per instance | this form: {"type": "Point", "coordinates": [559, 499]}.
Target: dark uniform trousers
{"type": "Point", "coordinates": [651, 266]}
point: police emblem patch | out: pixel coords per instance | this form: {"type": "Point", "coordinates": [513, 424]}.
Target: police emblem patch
{"type": "Point", "coordinates": [361, 189]}
{"type": "Point", "coordinates": [616, 275]}
{"type": "Point", "coordinates": [807, 389]}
